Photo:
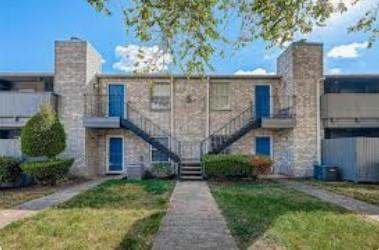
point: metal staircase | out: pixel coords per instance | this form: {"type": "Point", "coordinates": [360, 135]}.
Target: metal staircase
{"type": "Point", "coordinates": [187, 154]}
{"type": "Point", "coordinates": [236, 128]}
{"type": "Point", "coordinates": [148, 131]}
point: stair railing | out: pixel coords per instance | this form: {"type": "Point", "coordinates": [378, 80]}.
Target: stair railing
{"type": "Point", "coordinates": [217, 138]}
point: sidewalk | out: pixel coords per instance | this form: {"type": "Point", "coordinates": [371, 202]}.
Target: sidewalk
{"type": "Point", "coordinates": [193, 221]}
{"type": "Point", "coordinates": [363, 208]}
{"type": "Point", "coordinates": [30, 208]}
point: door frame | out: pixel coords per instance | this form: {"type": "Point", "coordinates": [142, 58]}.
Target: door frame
{"type": "Point", "coordinates": [270, 96]}
{"type": "Point", "coordinates": [107, 170]}
{"type": "Point", "coordinates": [125, 97]}
{"type": "Point", "coordinates": [271, 144]}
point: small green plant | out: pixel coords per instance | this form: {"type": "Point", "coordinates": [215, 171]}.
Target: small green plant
{"type": "Point", "coordinates": [162, 170]}
{"type": "Point", "coordinates": [226, 166]}
{"type": "Point", "coordinates": [10, 170]}
{"type": "Point", "coordinates": [43, 134]}
{"type": "Point", "coordinates": [47, 172]}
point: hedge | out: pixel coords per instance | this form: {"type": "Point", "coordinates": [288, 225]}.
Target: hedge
{"type": "Point", "coordinates": [9, 169]}
{"type": "Point", "coordinates": [47, 172]}
{"type": "Point", "coordinates": [226, 166]}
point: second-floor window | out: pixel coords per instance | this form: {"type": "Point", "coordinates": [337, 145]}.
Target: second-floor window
{"type": "Point", "coordinates": [160, 96]}
{"type": "Point", "coordinates": [219, 96]}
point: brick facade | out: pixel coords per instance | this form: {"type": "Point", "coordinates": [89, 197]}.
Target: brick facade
{"type": "Point", "coordinates": [190, 117]}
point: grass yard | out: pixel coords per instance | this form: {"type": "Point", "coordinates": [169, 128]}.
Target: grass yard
{"type": "Point", "coordinates": [364, 192]}
{"type": "Point", "coordinates": [118, 214]}
{"type": "Point", "coordinates": [12, 197]}
{"type": "Point", "coordinates": [271, 216]}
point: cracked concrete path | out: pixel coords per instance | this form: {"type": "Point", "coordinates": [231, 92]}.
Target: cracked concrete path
{"type": "Point", "coordinates": [30, 208]}
{"type": "Point", "coordinates": [193, 221]}
{"type": "Point", "coordinates": [360, 207]}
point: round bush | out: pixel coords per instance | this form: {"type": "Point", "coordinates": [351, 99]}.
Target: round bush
{"type": "Point", "coordinates": [47, 172]}
{"type": "Point", "coordinates": [43, 134]}
{"type": "Point", "coordinates": [10, 170]}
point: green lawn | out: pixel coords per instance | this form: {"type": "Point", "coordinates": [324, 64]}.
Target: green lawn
{"type": "Point", "coordinates": [118, 214]}
{"type": "Point", "coordinates": [365, 192]}
{"type": "Point", "coordinates": [270, 216]}
{"type": "Point", "coordinates": [12, 197]}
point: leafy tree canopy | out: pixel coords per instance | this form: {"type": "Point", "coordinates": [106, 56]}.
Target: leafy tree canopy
{"type": "Point", "coordinates": [189, 29]}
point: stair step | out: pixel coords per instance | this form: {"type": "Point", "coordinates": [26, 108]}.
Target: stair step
{"type": "Point", "coordinates": [190, 172]}
{"type": "Point", "coordinates": [191, 178]}
{"type": "Point", "coordinates": [191, 167]}
{"type": "Point", "coordinates": [191, 163]}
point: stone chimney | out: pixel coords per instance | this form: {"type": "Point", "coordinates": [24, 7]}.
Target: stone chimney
{"type": "Point", "coordinates": [301, 68]}
{"type": "Point", "coordinates": [76, 66]}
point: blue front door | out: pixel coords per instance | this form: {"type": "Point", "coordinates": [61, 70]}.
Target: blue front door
{"type": "Point", "coordinates": [262, 101]}
{"type": "Point", "coordinates": [116, 100]}
{"type": "Point", "coordinates": [116, 155]}
{"type": "Point", "coordinates": [263, 146]}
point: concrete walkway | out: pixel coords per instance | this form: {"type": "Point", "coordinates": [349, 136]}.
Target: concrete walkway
{"type": "Point", "coordinates": [363, 208]}
{"type": "Point", "coordinates": [30, 208]}
{"type": "Point", "coordinates": [193, 221]}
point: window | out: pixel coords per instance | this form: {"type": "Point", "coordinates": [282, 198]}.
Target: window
{"type": "Point", "coordinates": [158, 156]}
{"type": "Point", "coordinates": [10, 133]}
{"type": "Point", "coordinates": [160, 96]}
{"type": "Point", "coordinates": [219, 96]}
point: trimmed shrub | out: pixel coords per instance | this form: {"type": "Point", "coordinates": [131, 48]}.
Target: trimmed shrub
{"type": "Point", "coordinates": [10, 170]}
{"type": "Point", "coordinates": [47, 172]}
{"type": "Point", "coordinates": [162, 170]}
{"type": "Point", "coordinates": [43, 134]}
{"type": "Point", "coordinates": [262, 164]}
{"type": "Point", "coordinates": [226, 166]}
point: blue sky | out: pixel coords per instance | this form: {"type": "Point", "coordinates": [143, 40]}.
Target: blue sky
{"type": "Point", "coordinates": [30, 27]}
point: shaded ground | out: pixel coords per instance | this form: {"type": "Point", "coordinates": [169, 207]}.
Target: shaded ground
{"type": "Point", "coordinates": [272, 216]}
{"type": "Point", "coordinates": [364, 192]}
{"type": "Point", "coordinates": [118, 214]}
{"type": "Point", "coordinates": [12, 197]}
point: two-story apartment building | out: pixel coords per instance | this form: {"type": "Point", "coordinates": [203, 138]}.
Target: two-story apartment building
{"type": "Point", "coordinates": [117, 123]}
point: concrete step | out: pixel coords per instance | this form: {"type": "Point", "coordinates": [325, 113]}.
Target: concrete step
{"type": "Point", "coordinates": [192, 172]}
{"type": "Point", "coordinates": [190, 167]}
{"type": "Point", "coordinates": [191, 178]}
{"type": "Point", "coordinates": [191, 163]}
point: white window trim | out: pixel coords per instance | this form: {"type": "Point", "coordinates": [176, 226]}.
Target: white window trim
{"type": "Point", "coordinates": [108, 171]}
{"type": "Point", "coordinates": [125, 97]}
{"type": "Point", "coordinates": [254, 152]}
{"type": "Point", "coordinates": [152, 148]}
{"type": "Point", "coordinates": [271, 101]}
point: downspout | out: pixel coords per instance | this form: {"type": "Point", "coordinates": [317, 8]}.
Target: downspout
{"type": "Point", "coordinates": [318, 120]}
{"type": "Point", "coordinates": [207, 108]}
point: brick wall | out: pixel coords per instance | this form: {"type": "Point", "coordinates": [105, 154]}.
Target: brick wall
{"type": "Point", "coordinates": [76, 64]}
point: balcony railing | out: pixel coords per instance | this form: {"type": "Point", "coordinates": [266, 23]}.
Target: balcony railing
{"type": "Point", "coordinates": [19, 104]}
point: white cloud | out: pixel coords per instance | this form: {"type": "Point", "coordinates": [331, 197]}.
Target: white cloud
{"type": "Point", "coordinates": [337, 25]}
{"type": "Point", "coordinates": [141, 59]}
{"type": "Point", "coordinates": [257, 71]}
{"type": "Point", "coordinates": [347, 50]}
{"type": "Point", "coordinates": [334, 71]}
